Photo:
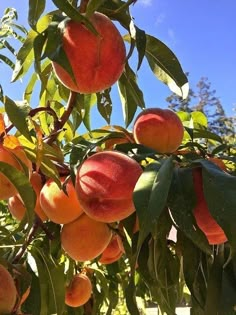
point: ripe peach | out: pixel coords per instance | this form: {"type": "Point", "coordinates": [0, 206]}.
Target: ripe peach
{"type": "Point", "coordinates": [204, 219]}
{"type": "Point", "coordinates": [113, 251]}
{"type": "Point", "coordinates": [8, 292]}
{"type": "Point", "coordinates": [97, 61]}
{"type": "Point", "coordinates": [85, 239]}
{"type": "Point", "coordinates": [17, 207]}
{"type": "Point", "coordinates": [159, 129]}
{"type": "Point", "coordinates": [79, 290]}
{"type": "Point", "coordinates": [105, 184]}
{"type": "Point", "coordinates": [60, 207]}
{"type": "Point", "coordinates": [10, 156]}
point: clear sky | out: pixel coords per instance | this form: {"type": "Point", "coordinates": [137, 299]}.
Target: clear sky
{"type": "Point", "coordinates": [201, 33]}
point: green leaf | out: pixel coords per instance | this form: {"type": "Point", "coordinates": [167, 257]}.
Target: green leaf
{"type": "Point", "coordinates": [25, 56]}
{"type": "Point", "coordinates": [206, 134]}
{"type": "Point", "coordinates": [214, 283]}
{"type": "Point", "coordinates": [181, 202]}
{"type": "Point", "coordinates": [7, 61]}
{"type": "Point", "coordinates": [199, 119]}
{"type": "Point", "coordinates": [219, 191]}
{"type": "Point", "coordinates": [130, 94]}
{"type": "Point", "coordinates": [23, 186]}
{"type": "Point", "coordinates": [140, 37]}
{"type": "Point", "coordinates": [38, 45]}
{"type": "Point", "coordinates": [93, 6]}
{"type": "Point", "coordinates": [130, 296]}
{"type": "Point", "coordinates": [74, 14]}
{"type": "Point", "coordinates": [36, 8]}
{"type": "Point", "coordinates": [17, 115]}
{"type": "Point", "coordinates": [51, 280]}
{"type": "Point", "coordinates": [166, 66]}
{"type": "Point", "coordinates": [104, 105]}
{"type": "Point", "coordinates": [150, 196]}
{"type": "Point", "coordinates": [195, 274]}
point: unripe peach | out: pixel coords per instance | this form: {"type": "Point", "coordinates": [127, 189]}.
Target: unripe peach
{"type": "Point", "coordinates": [85, 239]}
{"type": "Point", "coordinates": [60, 207]}
{"type": "Point", "coordinates": [8, 293]}
{"type": "Point", "coordinates": [105, 184]}
{"type": "Point", "coordinates": [97, 61]}
{"type": "Point", "coordinates": [159, 129]}
{"type": "Point", "coordinates": [113, 251]}
{"type": "Point", "coordinates": [204, 219]}
{"type": "Point", "coordinates": [79, 290]}
{"type": "Point", "coordinates": [7, 189]}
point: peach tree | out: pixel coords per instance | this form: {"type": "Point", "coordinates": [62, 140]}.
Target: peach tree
{"type": "Point", "coordinates": [113, 219]}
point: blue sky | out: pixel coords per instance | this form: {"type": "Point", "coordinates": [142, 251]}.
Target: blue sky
{"type": "Point", "coordinates": [201, 33]}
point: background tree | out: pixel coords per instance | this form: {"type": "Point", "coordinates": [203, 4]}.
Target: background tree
{"type": "Point", "coordinates": [204, 99]}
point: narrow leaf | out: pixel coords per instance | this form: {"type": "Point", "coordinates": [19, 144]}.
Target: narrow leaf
{"type": "Point", "coordinates": [181, 202]}
{"type": "Point", "coordinates": [140, 37]}
{"type": "Point", "coordinates": [150, 196]}
{"type": "Point", "coordinates": [93, 6]}
{"type": "Point", "coordinates": [17, 115]}
{"type": "Point", "coordinates": [36, 8]}
{"type": "Point", "coordinates": [7, 61]}
{"type": "Point", "coordinates": [166, 66]}
{"type": "Point", "coordinates": [219, 190]}
{"type": "Point", "coordinates": [74, 14]}
{"type": "Point", "coordinates": [130, 94]}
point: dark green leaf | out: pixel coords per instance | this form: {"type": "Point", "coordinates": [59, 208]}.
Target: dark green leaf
{"type": "Point", "coordinates": [181, 202]}
{"type": "Point", "coordinates": [166, 66]}
{"type": "Point", "coordinates": [17, 115]}
{"type": "Point", "coordinates": [206, 134]}
{"type": "Point", "coordinates": [214, 283]}
{"type": "Point", "coordinates": [150, 196]}
{"type": "Point", "coordinates": [140, 37]}
{"type": "Point", "coordinates": [194, 273]}
{"type": "Point", "coordinates": [130, 94]}
{"type": "Point", "coordinates": [7, 61]}
{"type": "Point", "coordinates": [104, 104]}
{"type": "Point", "coordinates": [38, 45]}
{"type": "Point", "coordinates": [36, 8]}
{"type": "Point", "coordinates": [219, 191]}
{"type": "Point", "coordinates": [130, 296]}
{"type": "Point", "coordinates": [74, 14]}
{"type": "Point", "coordinates": [93, 6]}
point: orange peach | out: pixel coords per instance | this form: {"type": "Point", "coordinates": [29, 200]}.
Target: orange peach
{"type": "Point", "coordinates": [204, 219]}
{"type": "Point", "coordinates": [97, 61]}
{"type": "Point", "coordinates": [17, 207]}
{"type": "Point", "coordinates": [11, 156]}
{"type": "Point", "coordinates": [60, 207]}
{"type": "Point", "coordinates": [105, 184]}
{"type": "Point", "coordinates": [113, 251]}
{"type": "Point", "coordinates": [8, 292]}
{"type": "Point", "coordinates": [79, 290]}
{"type": "Point", "coordinates": [85, 239]}
{"type": "Point", "coordinates": [159, 129]}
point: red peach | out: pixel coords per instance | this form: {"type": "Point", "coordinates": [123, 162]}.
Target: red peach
{"type": "Point", "coordinates": [159, 129]}
{"type": "Point", "coordinates": [97, 61]}
{"type": "Point", "coordinates": [105, 184]}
